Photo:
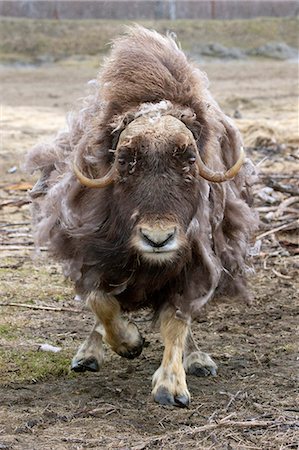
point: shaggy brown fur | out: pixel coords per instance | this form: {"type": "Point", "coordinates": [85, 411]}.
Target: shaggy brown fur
{"type": "Point", "coordinates": [88, 230]}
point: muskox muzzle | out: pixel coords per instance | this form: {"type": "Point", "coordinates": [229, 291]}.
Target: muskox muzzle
{"type": "Point", "coordinates": [158, 238]}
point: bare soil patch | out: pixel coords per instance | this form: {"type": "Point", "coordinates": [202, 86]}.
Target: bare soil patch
{"type": "Point", "coordinates": [251, 404]}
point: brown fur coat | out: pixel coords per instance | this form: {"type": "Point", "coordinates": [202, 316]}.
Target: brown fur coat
{"type": "Point", "coordinates": [82, 227]}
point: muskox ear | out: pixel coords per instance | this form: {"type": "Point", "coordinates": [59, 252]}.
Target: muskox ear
{"type": "Point", "coordinates": [197, 126]}
{"type": "Point", "coordinates": [181, 141]}
{"type": "Point", "coordinates": [118, 125]}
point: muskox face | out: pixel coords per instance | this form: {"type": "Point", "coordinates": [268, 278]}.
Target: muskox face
{"type": "Point", "coordinates": [157, 186]}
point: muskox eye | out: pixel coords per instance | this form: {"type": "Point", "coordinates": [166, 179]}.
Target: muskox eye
{"type": "Point", "coordinates": [191, 160]}
{"type": "Point", "coordinates": [122, 162]}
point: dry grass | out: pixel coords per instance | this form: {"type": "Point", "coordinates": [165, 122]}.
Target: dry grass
{"type": "Point", "coordinates": [31, 40]}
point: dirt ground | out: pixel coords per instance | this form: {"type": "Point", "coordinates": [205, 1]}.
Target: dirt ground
{"type": "Point", "coordinates": [252, 402]}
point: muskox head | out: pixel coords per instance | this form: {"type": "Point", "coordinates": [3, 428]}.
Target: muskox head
{"type": "Point", "coordinates": [157, 178]}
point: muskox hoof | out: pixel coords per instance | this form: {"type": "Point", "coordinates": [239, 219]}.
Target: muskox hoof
{"type": "Point", "coordinates": [164, 397]}
{"type": "Point", "coordinates": [200, 371]}
{"type": "Point", "coordinates": [131, 353]}
{"type": "Point", "coordinates": [82, 365]}
{"type": "Point", "coordinates": [200, 364]}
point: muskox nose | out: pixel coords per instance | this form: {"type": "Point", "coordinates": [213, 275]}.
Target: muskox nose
{"type": "Point", "coordinates": [157, 237]}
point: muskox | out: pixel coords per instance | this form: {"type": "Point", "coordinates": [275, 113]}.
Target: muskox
{"type": "Point", "coordinates": [145, 200]}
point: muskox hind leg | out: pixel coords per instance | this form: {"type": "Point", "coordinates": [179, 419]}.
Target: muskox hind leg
{"type": "Point", "coordinates": [91, 353]}
{"type": "Point", "coordinates": [169, 381]}
{"type": "Point", "coordinates": [197, 362]}
{"type": "Point", "coordinates": [122, 335]}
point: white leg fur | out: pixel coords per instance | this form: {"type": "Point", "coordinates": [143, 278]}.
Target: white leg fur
{"type": "Point", "coordinates": [90, 354]}
{"type": "Point", "coordinates": [169, 381]}
{"type": "Point", "coordinates": [197, 362]}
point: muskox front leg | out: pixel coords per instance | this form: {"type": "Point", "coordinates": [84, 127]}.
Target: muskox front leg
{"type": "Point", "coordinates": [122, 335]}
{"type": "Point", "coordinates": [169, 381]}
{"type": "Point", "coordinates": [197, 362]}
{"type": "Point", "coordinates": [91, 353]}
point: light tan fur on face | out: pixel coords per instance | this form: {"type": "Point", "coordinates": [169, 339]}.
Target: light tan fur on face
{"type": "Point", "coordinates": [171, 374]}
{"type": "Point", "coordinates": [123, 336]}
{"type": "Point", "coordinates": [158, 230]}
{"type": "Point", "coordinates": [157, 126]}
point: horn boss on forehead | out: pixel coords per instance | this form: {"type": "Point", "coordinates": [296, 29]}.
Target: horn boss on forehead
{"type": "Point", "coordinates": [159, 127]}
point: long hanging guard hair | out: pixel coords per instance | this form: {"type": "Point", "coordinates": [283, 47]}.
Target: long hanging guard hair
{"type": "Point", "coordinates": [72, 220]}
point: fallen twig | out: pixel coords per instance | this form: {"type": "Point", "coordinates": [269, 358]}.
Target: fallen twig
{"type": "Point", "coordinates": [17, 203]}
{"type": "Point", "coordinates": [7, 245]}
{"type": "Point", "coordinates": [280, 275]}
{"type": "Point", "coordinates": [244, 424]}
{"type": "Point", "coordinates": [232, 399]}
{"type": "Point", "coordinates": [284, 204]}
{"type": "Point", "coordinates": [274, 230]}
{"type": "Point", "coordinates": [5, 225]}
{"type": "Point", "coordinates": [221, 424]}
{"type": "Point", "coordinates": [12, 266]}
{"type": "Point", "coordinates": [266, 208]}
{"type": "Point", "coordinates": [287, 188]}
{"type": "Point", "coordinates": [22, 186]}
{"type": "Point", "coordinates": [14, 247]}
{"type": "Point", "coordinates": [279, 175]}
{"type": "Point", "coordinates": [46, 308]}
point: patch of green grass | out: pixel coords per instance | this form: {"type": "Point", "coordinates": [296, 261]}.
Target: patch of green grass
{"type": "Point", "coordinates": [35, 40]}
{"type": "Point", "coordinates": [58, 298]}
{"type": "Point", "coordinates": [8, 331]}
{"type": "Point", "coordinates": [33, 366]}
{"type": "Point", "coordinates": [42, 284]}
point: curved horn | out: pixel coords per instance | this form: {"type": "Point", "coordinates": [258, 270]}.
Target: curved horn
{"type": "Point", "coordinates": [94, 182]}
{"type": "Point", "coordinates": [106, 179]}
{"type": "Point", "coordinates": [219, 177]}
